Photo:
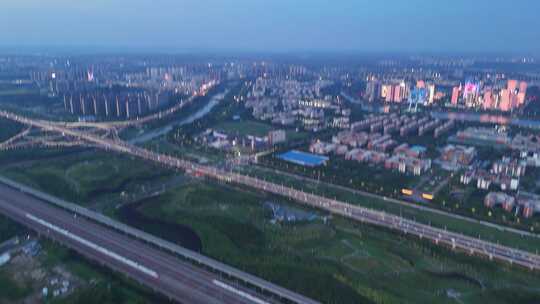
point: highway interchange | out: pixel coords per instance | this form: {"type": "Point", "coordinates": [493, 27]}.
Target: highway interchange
{"type": "Point", "coordinates": [436, 235]}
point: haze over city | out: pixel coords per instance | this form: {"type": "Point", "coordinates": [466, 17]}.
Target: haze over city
{"type": "Point", "coordinates": [269, 151]}
{"type": "Point", "coordinates": [493, 26]}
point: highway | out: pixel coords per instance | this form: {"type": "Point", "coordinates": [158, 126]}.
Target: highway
{"type": "Point", "coordinates": [438, 236]}
{"type": "Point", "coordinates": [177, 279]}
{"type": "Point", "coordinates": [402, 203]}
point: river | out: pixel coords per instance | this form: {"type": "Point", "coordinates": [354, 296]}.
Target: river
{"type": "Point", "coordinates": [148, 136]}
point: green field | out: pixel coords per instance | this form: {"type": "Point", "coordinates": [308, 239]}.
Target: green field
{"type": "Point", "coordinates": [11, 290]}
{"type": "Point", "coordinates": [426, 217]}
{"type": "Point", "coordinates": [85, 177]}
{"type": "Point", "coordinates": [338, 261]}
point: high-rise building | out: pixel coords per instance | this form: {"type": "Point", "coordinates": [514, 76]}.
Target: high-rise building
{"type": "Point", "coordinates": [90, 75]}
{"type": "Point", "coordinates": [431, 93]}
{"type": "Point", "coordinates": [523, 87]}
{"type": "Point", "coordinates": [386, 92]}
{"type": "Point", "coordinates": [522, 95]}
{"type": "Point", "coordinates": [488, 99]}
{"type": "Point", "coordinates": [404, 91]}
{"type": "Point", "coordinates": [512, 86]}
{"type": "Point", "coordinates": [397, 94]}
{"type": "Point", "coordinates": [455, 96]}
{"type": "Point", "coordinates": [372, 90]}
{"type": "Point", "coordinates": [390, 94]}
{"type": "Point", "coordinates": [504, 104]}
{"type": "Point", "coordinates": [521, 98]}
{"type": "Point", "coordinates": [470, 93]}
{"type": "Point", "coordinates": [53, 85]}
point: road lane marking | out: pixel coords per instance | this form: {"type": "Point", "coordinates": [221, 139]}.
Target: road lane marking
{"type": "Point", "coordinates": [94, 246]}
{"type": "Point", "coordinates": [239, 292]}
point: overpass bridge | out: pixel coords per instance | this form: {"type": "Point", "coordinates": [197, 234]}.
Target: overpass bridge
{"type": "Point", "coordinates": [438, 236]}
{"type": "Point", "coordinates": [177, 273]}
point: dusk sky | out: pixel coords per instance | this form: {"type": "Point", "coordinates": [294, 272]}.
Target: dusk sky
{"type": "Point", "coordinates": [276, 25]}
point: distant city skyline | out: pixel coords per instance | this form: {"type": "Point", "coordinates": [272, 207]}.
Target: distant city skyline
{"type": "Point", "coordinates": [457, 26]}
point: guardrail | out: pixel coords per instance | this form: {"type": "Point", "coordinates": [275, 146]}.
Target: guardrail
{"type": "Point", "coordinates": [216, 266]}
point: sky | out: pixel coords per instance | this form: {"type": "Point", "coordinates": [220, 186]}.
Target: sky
{"type": "Point", "coordinates": [445, 26]}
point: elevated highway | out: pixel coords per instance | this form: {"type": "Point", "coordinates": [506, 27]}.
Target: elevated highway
{"type": "Point", "coordinates": [361, 214]}
{"type": "Point", "coordinates": [177, 274]}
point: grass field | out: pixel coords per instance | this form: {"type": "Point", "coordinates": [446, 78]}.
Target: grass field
{"type": "Point", "coordinates": [338, 261]}
{"type": "Point", "coordinates": [88, 176]}
{"type": "Point", "coordinates": [12, 291]}
{"type": "Point", "coordinates": [426, 217]}
{"type": "Point", "coordinates": [334, 262]}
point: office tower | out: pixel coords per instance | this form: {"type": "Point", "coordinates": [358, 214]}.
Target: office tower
{"type": "Point", "coordinates": [397, 94]}
{"type": "Point", "coordinates": [107, 108]}
{"type": "Point", "coordinates": [521, 98]}
{"type": "Point", "coordinates": [470, 94]}
{"type": "Point", "coordinates": [390, 96]}
{"type": "Point", "coordinates": [488, 99]}
{"type": "Point", "coordinates": [66, 105]}
{"type": "Point", "coordinates": [83, 104]}
{"type": "Point", "coordinates": [431, 93]}
{"type": "Point", "coordinates": [53, 85]}
{"type": "Point", "coordinates": [90, 75]}
{"type": "Point", "coordinates": [523, 87]}
{"type": "Point", "coordinates": [118, 109]}
{"type": "Point", "coordinates": [512, 86]}
{"type": "Point", "coordinates": [522, 95]}
{"type": "Point", "coordinates": [372, 90]}
{"type": "Point", "coordinates": [71, 104]}
{"type": "Point", "coordinates": [455, 96]}
{"type": "Point", "coordinates": [386, 91]}
{"type": "Point", "coordinates": [95, 104]}
{"type": "Point", "coordinates": [504, 104]}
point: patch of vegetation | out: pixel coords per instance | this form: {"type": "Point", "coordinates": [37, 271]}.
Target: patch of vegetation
{"type": "Point", "coordinates": [102, 284]}
{"type": "Point", "coordinates": [422, 216]}
{"type": "Point", "coordinates": [11, 290]}
{"type": "Point", "coordinates": [88, 176]}
{"type": "Point", "coordinates": [337, 261]}
{"type": "Point", "coordinates": [9, 229]}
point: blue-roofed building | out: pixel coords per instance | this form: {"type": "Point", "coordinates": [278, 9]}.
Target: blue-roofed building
{"type": "Point", "coordinates": [419, 150]}
{"type": "Point", "coordinates": [303, 158]}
